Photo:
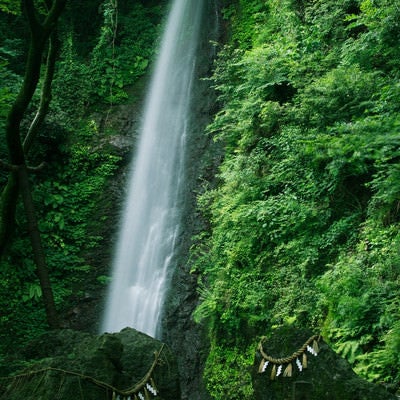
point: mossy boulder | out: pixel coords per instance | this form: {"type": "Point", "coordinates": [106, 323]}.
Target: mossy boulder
{"type": "Point", "coordinates": [71, 365]}
{"type": "Point", "coordinates": [326, 376]}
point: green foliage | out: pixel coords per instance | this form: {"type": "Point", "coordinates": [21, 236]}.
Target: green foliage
{"type": "Point", "coordinates": [343, 94]}
{"type": "Point", "coordinates": [10, 6]}
{"type": "Point", "coordinates": [377, 33]}
{"type": "Point", "coordinates": [124, 51]}
{"type": "Point", "coordinates": [70, 228]}
{"type": "Point", "coordinates": [72, 74]}
{"type": "Point", "coordinates": [20, 301]}
{"type": "Point", "coordinates": [362, 297]}
{"type": "Point", "coordinates": [245, 16]}
{"type": "Point", "coordinates": [228, 373]}
{"type": "Point", "coordinates": [305, 218]}
{"type": "Point", "coordinates": [8, 89]}
{"type": "Point", "coordinates": [70, 201]}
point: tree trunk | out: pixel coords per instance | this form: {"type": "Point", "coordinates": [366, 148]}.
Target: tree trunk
{"type": "Point", "coordinates": [19, 180]}
{"type": "Point", "coordinates": [39, 257]}
{"type": "Point", "coordinates": [9, 194]}
{"type": "Point", "coordinates": [45, 96]}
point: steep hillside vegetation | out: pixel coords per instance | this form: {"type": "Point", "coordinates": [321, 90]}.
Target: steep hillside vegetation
{"type": "Point", "coordinates": [304, 222]}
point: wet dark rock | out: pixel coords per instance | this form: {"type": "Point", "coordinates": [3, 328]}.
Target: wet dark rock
{"type": "Point", "coordinates": [70, 365]}
{"type": "Point", "coordinates": [327, 376]}
{"type": "Point", "coordinates": [187, 339]}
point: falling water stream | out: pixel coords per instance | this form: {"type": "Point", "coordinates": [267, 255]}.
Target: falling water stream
{"type": "Point", "coordinates": [150, 221]}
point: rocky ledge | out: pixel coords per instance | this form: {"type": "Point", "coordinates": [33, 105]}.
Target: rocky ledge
{"type": "Point", "coordinates": [72, 365]}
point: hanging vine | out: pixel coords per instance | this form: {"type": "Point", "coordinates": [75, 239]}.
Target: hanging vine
{"type": "Point", "coordinates": [104, 63]}
{"type": "Point", "coordinates": [113, 20]}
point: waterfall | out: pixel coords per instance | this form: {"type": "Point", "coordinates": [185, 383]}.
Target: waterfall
{"type": "Point", "coordinates": [150, 221]}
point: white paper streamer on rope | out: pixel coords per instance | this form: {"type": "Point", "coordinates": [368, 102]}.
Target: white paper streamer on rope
{"type": "Point", "coordinates": [285, 364]}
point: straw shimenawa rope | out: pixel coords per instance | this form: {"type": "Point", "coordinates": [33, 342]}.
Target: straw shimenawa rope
{"type": "Point", "coordinates": [278, 363]}
{"type": "Point", "coordinates": [141, 389]}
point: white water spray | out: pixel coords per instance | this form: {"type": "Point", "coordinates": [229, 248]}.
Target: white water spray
{"type": "Point", "coordinates": [150, 222]}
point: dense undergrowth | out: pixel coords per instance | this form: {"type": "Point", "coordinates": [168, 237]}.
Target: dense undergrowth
{"type": "Point", "coordinates": [105, 49]}
{"type": "Point", "coordinates": [306, 214]}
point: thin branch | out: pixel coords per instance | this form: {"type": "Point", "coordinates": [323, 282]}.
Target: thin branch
{"type": "Point", "coordinates": [38, 168]}
{"type": "Point", "coordinates": [30, 11]}
{"type": "Point", "coordinates": [8, 167]}
{"type": "Point", "coordinates": [55, 11]}
{"type": "Point", "coordinates": [45, 97]}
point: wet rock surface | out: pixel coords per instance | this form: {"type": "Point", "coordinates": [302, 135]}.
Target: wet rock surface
{"type": "Point", "coordinates": [188, 339]}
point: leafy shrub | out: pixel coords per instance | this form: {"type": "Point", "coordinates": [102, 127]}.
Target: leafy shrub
{"type": "Point", "coordinates": [362, 292]}
{"type": "Point", "coordinates": [228, 373]}
{"type": "Point", "coordinates": [125, 49]}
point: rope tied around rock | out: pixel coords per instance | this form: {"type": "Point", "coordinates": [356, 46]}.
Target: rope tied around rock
{"type": "Point", "coordinates": [311, 345]}
{"type": "Point", "coordinates": [140, 391]}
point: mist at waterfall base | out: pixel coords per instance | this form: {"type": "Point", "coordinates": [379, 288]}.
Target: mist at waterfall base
{"type": "Point", "coordinates": [150, 220]}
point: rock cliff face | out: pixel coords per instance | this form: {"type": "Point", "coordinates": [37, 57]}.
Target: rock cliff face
{"type": "Point", "coordinates": [186, 338]}
{"type": "Point", "coordinates": [71, 365]}
{"type": "Point", "coordinates": [326, 376]}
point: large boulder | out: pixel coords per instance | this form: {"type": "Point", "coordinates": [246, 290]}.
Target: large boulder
{"type": "Point", "coordinates": [323, 375]}
{"type": "Point", "coordinates": [71, 365]}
